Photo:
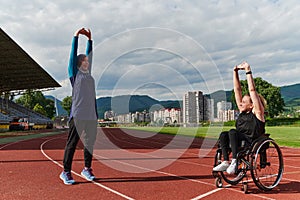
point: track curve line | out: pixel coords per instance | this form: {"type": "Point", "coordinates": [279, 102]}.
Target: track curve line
{"type": "Point", "coordinates": [77, 174]}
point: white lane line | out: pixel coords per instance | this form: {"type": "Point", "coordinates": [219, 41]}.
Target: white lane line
{"type": "Point", "coordinates": [10, 144]}
{"type": "Point", "coordinates": [155, 171]}
{"type": "Point", "coordinates": [96, 183]}
{"type": "Point", "coordinates": [218, 189]}
{"type": "Point", "coordinates": [167, 150]}
{"type": "Point", "coordinates": [206, 194]}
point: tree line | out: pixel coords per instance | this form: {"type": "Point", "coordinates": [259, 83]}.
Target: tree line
{"type": "Point", "coordinates": [36, 101]}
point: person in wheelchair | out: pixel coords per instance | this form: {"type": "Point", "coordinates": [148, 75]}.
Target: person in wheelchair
{"type": "Point", "coordinates": [250, 123]}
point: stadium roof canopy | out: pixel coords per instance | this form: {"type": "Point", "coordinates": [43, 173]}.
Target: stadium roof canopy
{"type": "Point", "coordinates": [18, 71]}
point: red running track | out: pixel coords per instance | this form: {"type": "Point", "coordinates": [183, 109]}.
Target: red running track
{"type": "Point", "coordinates": [128, 165]}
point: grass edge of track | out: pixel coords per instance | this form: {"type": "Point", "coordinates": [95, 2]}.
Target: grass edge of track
{"type": "Point", "coordinates": [7, 140]}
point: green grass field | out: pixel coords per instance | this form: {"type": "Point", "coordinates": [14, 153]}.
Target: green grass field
{"type": "Point", "coordinates": [9, 137]}
{"type": "Point", "coordinates": [284, 136]}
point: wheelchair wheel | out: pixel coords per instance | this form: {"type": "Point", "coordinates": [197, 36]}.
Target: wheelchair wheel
{"type": "Point", "coordinates": [234, 179]}
{"type": "Point", "coordinates": [218, 182]}
{"type": "Point", "coordinates": [266, 165]}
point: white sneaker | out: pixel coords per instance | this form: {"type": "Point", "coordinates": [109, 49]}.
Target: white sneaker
{"type": "Point", "coordinates": [231, 169]}
{"type": "Point", "coordinates": [221, 167]}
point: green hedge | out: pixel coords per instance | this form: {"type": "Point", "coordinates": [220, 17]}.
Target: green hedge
{"type": "Point", "coordinates": [283, 122]}
{"type": "Point", "coordinates": [270, 122]}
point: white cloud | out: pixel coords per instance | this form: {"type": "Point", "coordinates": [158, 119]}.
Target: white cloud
{"type": "Point", "coordinates": [265, 33]}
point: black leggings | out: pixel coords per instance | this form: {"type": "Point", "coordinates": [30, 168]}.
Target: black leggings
{"type": "Point", "coordinates": [231, 140]}
{"type": "Point", "coordinates": [76, 129]}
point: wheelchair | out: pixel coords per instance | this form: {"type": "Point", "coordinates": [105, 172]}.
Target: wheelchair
{"type": "Point", "coordinates": [263, 158]}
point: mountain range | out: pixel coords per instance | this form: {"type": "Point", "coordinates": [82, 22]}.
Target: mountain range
{"type": "Point", "coordinates": [290, 94]}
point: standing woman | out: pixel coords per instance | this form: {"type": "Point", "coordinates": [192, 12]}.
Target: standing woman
{"type": "Point", "coordinates": [250, 123]}
{"type": "Point", "coordinates": [83, 116]}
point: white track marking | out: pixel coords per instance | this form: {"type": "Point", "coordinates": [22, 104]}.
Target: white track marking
{"type": "Point", "coordinates": [218, 189]}
{"type": "Point", "coordinates": [94, 182]}
{"type": "Point", "coordinates": [155, 171]}
{"type": "Point", "coordinates": [206, 194]}
{"type": "Point", "coordinates": [167, 150]}
{"type": "Point", "coordinates": [10, 144]}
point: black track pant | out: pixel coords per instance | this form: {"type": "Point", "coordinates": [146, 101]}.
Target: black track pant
{"type": "Point", "coordinates": [231, 139]}
{"type": "Point", "coordinates": [87, 131]}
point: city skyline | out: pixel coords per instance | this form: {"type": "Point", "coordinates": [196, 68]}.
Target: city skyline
{"type": "Point", "coordinates": [191, 114]}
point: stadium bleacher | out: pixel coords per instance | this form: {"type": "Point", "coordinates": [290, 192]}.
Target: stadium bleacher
{"type": "Point", "coordinates": [14, 110]}
{"type": "Point", "coordinates": [19, 72]}
{"type": "Point", "coordinates": [4, 118]}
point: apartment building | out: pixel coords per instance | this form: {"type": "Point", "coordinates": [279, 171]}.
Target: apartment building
{"type": "Point", "coordinates": [196, 108]}
{"type": "Point", "coordinates": [225, 112]}
{"type": "Point", "coordinates": [170, 116]}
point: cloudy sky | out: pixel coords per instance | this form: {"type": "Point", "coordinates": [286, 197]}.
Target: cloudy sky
{"type": "Point", "coordinates": [161, 48]}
